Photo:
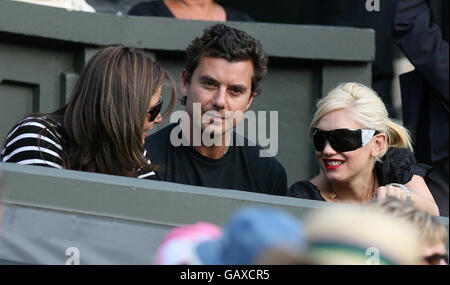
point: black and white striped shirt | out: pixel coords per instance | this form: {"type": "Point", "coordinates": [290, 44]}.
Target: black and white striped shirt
{"type": "Point", "coordinates": [36, 141]}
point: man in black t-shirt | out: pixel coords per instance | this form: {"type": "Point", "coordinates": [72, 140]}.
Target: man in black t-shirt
{"type": "Point", "coordinates": [222, 75]}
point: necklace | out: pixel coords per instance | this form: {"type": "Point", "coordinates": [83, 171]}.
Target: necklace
{"type": "Point", "coordinates": [191, 15]}
{"type": "Point", "coordinates": [333, 195]}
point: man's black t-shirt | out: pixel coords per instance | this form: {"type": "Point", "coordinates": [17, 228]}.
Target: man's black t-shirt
{"type": "Point", "coordinates": [241, 168]}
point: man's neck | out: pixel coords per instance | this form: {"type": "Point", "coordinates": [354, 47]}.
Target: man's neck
{"type": "Point", "coordinates": [217, 150]}
{"type": "Point", "coordinates": [214, 151]}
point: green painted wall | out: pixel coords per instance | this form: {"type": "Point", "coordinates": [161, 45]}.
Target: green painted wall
{"type": "Point", "coordinates": [132, 199]}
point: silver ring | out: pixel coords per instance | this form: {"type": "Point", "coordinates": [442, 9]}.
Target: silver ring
{"type": "Point", "coordinates": [404, 188]}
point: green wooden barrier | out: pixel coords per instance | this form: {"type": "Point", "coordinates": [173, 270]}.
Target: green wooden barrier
{"type": "Point", "coordinates": [112, 219]}
{"type": "Point", "coordinates": [133, 199]}
{"type": "Point", "coordinates": [155, 202]}
{"type": "Point", "coordinates": [108, 219]}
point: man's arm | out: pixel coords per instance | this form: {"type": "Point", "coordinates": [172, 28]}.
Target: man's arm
{"type": "Point", "coordinates": [421, 41]}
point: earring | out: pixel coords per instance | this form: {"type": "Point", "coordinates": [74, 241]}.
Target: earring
{"type": "Point", "coordinates": [183, 100]}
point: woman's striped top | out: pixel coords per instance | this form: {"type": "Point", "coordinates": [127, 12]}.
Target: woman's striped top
{"type": "Point", "coordinates": [36, 141]}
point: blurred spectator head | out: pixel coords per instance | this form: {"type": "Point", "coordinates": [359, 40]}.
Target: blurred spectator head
{"type": "Point", "coordinates": [433, 235]}
{"type": "Point", "coordinates": [177, 247]}
{"type": "Point", "coordinates": [366, 109]}
{"type": "Point", "coordinates": [231, 44]}
{"type": "Point", "coordinates": [354, 235]}
{"type": "Point", "coordinates": [255, 235]}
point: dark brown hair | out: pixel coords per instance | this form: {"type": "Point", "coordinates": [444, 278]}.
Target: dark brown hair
{"type": "Point", "coordinates": [104, 119]}
{"type": "Point", "coordinates": [231, 44]}
{"type": "Point", "coordinates": [103, 122]}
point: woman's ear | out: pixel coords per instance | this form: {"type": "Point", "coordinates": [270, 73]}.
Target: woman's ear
{"type": "Point", "coordinates": [379, 142]}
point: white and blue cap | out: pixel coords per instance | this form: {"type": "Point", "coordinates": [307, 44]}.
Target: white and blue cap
{"type": "Point", "coordinates": [251, 232]}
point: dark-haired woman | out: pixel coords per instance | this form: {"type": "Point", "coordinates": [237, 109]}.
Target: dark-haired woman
{"type": "Point", "coordinates": [116, 100]}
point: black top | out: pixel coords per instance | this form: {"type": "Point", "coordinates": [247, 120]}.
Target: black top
{"type": "Point", "coordinates": [398, 166]}
{"type": "Point", "coordinates": [241, 168]}
{"type": "Point", "coordinates": [159, 9]}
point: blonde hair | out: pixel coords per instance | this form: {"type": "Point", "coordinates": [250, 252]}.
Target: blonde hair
{"type": "Point", "coordinates": [341, 235]}
{"type": "Point", "coordinates": [431, 230]}
{"type": "Point", "coordinates": [367, 109]}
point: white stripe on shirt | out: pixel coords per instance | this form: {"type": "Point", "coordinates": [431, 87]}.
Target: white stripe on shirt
{"type": "Point", "coordinates": [36, 124]}
{"type": "Point", "coordinates": [28, 148]}
{"type": "Point", "coordinates": [32, 135]}
{"type": "Point", "coordinates": [146, 174]}
{"type": "Point", "coordinates": [39, 161]}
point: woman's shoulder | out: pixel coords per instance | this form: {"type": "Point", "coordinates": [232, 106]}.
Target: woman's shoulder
{"type": "Point", "coordinates": [34, 140]}
{"type": "Point", "coordinates": [398, 166]}
{"type": "Point", "coordinates": [305, 190]}
{"type": "Point", "coordinates": [42, 125]}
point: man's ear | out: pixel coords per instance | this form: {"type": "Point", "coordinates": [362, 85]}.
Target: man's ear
{"type": "Point", "coordinates": [380, 141]}
{"type": "Point", "coordinates": [184, 85]}
{"type": "Point", "coordinates": [250, 101]}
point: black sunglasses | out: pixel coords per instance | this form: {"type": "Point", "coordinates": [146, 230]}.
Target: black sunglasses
{"type": "Point", "coordinates": [155, 110]}
{"type": "Point", "coordinates": [342, 140]}
{"type": "Point", "coordinates": [436, 258]}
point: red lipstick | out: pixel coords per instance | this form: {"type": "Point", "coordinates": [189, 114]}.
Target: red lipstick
{"type": "Point", "coordinates": [334, 165]}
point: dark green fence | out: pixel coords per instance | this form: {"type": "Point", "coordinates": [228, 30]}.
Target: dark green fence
{"type": "Point", "coordinates": [108, 219]}
{"type": "Point", "coordinates": [111, 219]}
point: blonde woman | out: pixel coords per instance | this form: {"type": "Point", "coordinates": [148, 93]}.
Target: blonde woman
{"type": "Point", "coordinates": [362, 154]}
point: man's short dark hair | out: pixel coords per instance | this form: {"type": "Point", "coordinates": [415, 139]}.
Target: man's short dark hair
{"type": "Point", "coordinates": [231, 44]}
